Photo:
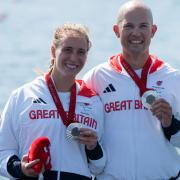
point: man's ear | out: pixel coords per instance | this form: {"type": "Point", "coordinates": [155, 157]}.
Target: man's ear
{"type": "Point", "coordinates": [116, 30]}
{"type": "Point", "coordinates": [154, 29]}
{"type": "Point", "coordinates": [53, 51]}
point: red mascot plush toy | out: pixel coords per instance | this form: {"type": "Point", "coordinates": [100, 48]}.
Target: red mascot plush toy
{"type": "Point", "coordinates": [39, 149]}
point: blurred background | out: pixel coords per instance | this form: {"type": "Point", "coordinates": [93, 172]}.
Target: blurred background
{"type": "Point", "coordinates": [27, 26]}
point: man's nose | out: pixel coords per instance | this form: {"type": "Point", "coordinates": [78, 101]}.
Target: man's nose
{"type": "Point", "coordinates": [136, 31]}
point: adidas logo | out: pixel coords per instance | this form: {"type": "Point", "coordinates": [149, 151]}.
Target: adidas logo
{"type": "Point", "coordinates": [110, 88]}
{"type": "Point", "coordinates": [39, 100]}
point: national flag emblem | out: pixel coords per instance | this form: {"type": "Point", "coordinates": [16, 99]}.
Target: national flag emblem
{"type": "Point", "coordinates": [159, 83]}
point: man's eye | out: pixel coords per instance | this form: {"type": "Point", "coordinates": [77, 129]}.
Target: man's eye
{"type": "Point", "coordinates": [144, 26]}
{"type": "Point", "coordinates": [128, 26]}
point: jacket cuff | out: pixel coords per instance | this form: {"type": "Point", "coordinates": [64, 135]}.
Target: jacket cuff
{"type": "Point", "coordinates": [95, 153]}
{"type": "Point", "coordinates": [172, 129]}
{"type": "Point", "coordinates": [14, 168]}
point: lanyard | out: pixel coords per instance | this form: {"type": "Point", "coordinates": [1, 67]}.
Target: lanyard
{"type": "Point", "coordinates": [67, 118]}
{"type": "Point", "coordinates": [140, 82]}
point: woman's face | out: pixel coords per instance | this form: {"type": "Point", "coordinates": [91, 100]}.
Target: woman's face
{"type": "Point", "coordinates": [70, 56]}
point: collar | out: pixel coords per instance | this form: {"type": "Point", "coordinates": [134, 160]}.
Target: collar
{"type": "Point", "coordinates": [115, 63]}
{"type": "Point", "coordinates": [84, 90]}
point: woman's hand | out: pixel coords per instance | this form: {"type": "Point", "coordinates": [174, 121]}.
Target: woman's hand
{"type": "Point", "coordinates": [26, 166]}
{"type": "Point", "coordinates": [88, 137]}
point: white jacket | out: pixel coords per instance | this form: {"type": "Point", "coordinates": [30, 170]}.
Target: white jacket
{"type": "Point", "coordinates": [133, 139]}
{"type": "Point", "coordinates": [31, 112]}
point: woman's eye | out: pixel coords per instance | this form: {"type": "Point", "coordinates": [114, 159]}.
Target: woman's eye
{"type": "Point", "coordinates": [82, 52]}
{"type": "Point", "coordinates": [68, 50]}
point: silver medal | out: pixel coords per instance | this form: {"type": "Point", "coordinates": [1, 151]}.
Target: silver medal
{"type": "Point", "coordinates": [73, 130]}
{"type": "Point", "coordinates": [148, 98]}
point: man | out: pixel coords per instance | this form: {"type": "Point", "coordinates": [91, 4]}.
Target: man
{"type": "Point", "coordinates": [138, 137]}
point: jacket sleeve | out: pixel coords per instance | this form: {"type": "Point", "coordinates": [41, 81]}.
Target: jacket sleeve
{"type": "Point", "coordinates": [175, 137]}
{"type": "Point", "coordinates": [96, 166]}
{"type": "Point", "coordinates": [8, 135]}
{"type": "Point", "coordinates": [90, 80]}
{"type": "Point", "coordinates": [97, 157]}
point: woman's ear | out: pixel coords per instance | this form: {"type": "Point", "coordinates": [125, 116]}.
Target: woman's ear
{"type": "Point", "coordinates": [53, 51]}
{"type": "Point", "coordinates": [116, 30]}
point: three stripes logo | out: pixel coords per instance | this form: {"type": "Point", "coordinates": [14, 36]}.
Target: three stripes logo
{"type": "Point", "coordinates": [39, 100]}
{"type": "Point", "coordinates": [110, 88]}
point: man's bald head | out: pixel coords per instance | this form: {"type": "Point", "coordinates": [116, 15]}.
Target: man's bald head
{"type": "Point", "coordinates": [133, 5]}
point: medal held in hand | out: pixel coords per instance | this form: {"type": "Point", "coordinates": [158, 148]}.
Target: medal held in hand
{"type": "Point", "coordinates": [73, 130]}
{"type": "Point", "coordinates": [148, 98]}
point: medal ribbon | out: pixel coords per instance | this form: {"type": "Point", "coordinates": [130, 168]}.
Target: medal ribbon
{"type": "Point", "coordinates": [140, 82]}
{"type": "Point", "coordinates": [66, 118]}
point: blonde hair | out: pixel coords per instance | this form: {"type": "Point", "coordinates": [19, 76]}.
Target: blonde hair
{"type": "Point", "coordinates": [73, 30]}
{"type": "Point", "coordinates": [70, 29]}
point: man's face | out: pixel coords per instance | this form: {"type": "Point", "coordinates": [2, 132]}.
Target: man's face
{"type": "Point", "coordinates": [136, 31]}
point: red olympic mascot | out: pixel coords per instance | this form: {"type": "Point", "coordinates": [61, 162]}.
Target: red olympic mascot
{"type": "Point", "coordinates": [39, 149]}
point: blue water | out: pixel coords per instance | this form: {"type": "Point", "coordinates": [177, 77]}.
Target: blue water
{"type": "Point", "coordinates": [26, 28]}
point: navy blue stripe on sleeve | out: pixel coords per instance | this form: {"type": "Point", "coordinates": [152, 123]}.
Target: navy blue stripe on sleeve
{"type": "Point", "coordinates": [94, 154]}
{"type": "Point", "coordinates": [14, 168]}
{"type": "Point", "coordinates": [172, 129]}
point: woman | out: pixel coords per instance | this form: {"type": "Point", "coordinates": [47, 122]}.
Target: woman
{"type": "Point", "coordinates": [48, 105]}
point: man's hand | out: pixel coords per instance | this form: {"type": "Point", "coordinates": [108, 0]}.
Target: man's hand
{"type": "Point", "coordinates": [163, 111]}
